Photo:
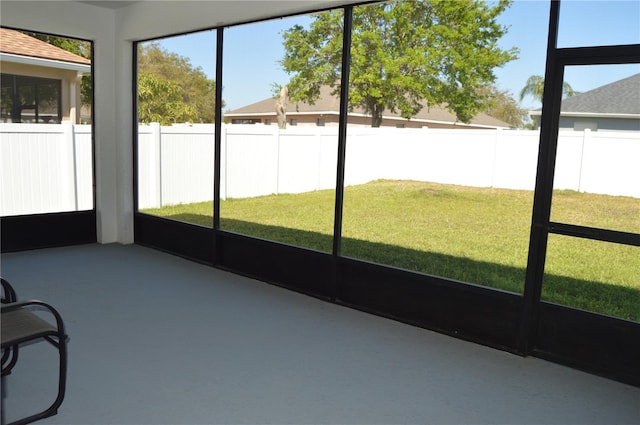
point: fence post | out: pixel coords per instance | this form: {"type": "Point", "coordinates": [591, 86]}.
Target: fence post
{"type": "Point", "coordinates": [586, 136]}
{"type": "Point", "coordinates": [156, 144]}
{"type": "Point", "coordinates": [496, 144]}
{"type": "Point", "coordinates": [277, 135]}
{"type": "Point", "coordinates": [318, 137]}
{"type": "Point", "coordinates": [68, 136]}
{"type": "Point", "coordinates": [223, 162]}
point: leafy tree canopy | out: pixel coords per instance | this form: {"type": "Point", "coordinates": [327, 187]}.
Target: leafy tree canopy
{"type": "Point", "coordinates": [405, 55]}
{"type": "Point", "coordinates": [503, 106]}
{"type": "Point", "coordinates": [171, 89]}
{"type": "Point", "coordinates": [534, 87]}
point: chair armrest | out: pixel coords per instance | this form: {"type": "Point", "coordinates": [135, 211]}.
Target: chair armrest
{"type": "Point", "coordinates": [36, 303]}
{"type": "Point", "coordinates": [9, 294]}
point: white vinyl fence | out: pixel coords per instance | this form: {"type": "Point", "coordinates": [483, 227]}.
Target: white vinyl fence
{"type": "Point", "coordinates": [47, 168]}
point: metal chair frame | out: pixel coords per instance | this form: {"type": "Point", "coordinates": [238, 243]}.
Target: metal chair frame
{"type": "Point", "coordinates": [19, 315]}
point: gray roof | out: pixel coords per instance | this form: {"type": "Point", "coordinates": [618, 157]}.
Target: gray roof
{"type": "Point", "coordinates": [328, 103]}
{"type": "Point", "coordinates": [619, 97]}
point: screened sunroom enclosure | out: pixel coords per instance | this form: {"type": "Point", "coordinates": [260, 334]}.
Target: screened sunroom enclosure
{"type": "Point", "coordinates": [526, 273]}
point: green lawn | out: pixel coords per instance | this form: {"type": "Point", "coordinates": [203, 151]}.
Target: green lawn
{"type": "Point", "coordinates": [475, 235]}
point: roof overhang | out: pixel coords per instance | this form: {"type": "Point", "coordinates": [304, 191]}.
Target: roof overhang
{"type": "Point", "coordinates": [360, 115]}
{"type": "Point", "coordinates": [48, 63]}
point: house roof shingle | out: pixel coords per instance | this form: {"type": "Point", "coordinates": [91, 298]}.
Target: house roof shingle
{"type": "Point", "coordinates": [328, 103]}
{"type": "Point", "coordinates": [619, 97]}
{"type": "Point", "coordinates": [17, 43]}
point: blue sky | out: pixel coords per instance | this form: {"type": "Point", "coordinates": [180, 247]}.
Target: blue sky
{"type": "Point", "coordinates": [252, 51]}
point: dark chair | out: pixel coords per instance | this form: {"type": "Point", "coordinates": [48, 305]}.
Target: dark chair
{"type": "Point", "coordinates": [21, 324]}
{"type": "Point", "coordinates": [9, 356]}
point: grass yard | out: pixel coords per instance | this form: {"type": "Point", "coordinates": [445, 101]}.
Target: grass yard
{"type": "Point", "coordinates": [476, 235]}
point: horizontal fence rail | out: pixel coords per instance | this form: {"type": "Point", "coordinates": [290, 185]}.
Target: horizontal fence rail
{"type": "Point", "coordinates": [48, 167]}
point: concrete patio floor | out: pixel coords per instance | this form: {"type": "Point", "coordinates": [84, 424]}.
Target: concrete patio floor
{"type": "Point", "coordinates": [156, 339]}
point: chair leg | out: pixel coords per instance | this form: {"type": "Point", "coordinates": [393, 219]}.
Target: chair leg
{"type": "Point", "coordinates": [2, 396]}
{"type": "Point", "coordinates": [61, 344]}
{"type": "Point", "coordinates": [9, 359]}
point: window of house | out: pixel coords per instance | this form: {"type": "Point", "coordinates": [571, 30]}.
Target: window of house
{"type": "Point", "coordinates": [245, 121]}
{"type": "Point", "coordinates": [320, 122]}
{"type": "Point", "coordinates": [293, 121]}
{"type": "Point", "coordinates": [28, 99]}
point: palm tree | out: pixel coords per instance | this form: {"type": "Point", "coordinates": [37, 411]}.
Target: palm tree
{"type": "Point", "coordinates": [535, 86]}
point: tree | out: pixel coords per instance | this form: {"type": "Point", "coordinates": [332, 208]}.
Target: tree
{"type": "Point", "coordinates": [161, 101]}
{"type": "Point", "coordinates": [405, 55]}
{"type": "Point", "coordinates": [171, 89]}
{"type": "Point", "coordinates": [534, 87]}
{"type": "Point", "coordinates": [503, 106]}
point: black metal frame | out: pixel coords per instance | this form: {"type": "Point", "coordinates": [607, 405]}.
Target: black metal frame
{"type": "Point", "coordinates": [518, 323]}
{"type": "Point", "coordinates": [23, 232]}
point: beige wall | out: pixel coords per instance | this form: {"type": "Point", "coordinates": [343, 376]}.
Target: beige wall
{"type": "Point", "coordinates": [355, 121]}
{"type": "Point", "coordinates": [70, 88]}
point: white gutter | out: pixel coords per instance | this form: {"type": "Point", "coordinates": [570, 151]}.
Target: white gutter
{"type": "Point", "coordinates": [49, 63]}
{"type": "Point", "coordinates": [590, 115]}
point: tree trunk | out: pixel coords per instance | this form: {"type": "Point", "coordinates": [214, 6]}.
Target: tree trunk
{"type": "Point", "coordinates": [281, 108]}
{"type": "Point", "coordinates": [376, 116]}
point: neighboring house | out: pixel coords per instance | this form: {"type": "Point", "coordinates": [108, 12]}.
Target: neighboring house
{"type": "Point", "coordinates": [40, 82]}
{"type": "Point", "coordinates": [325, 112]}
{"type": "Point", "coordinates": [614, 106]}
